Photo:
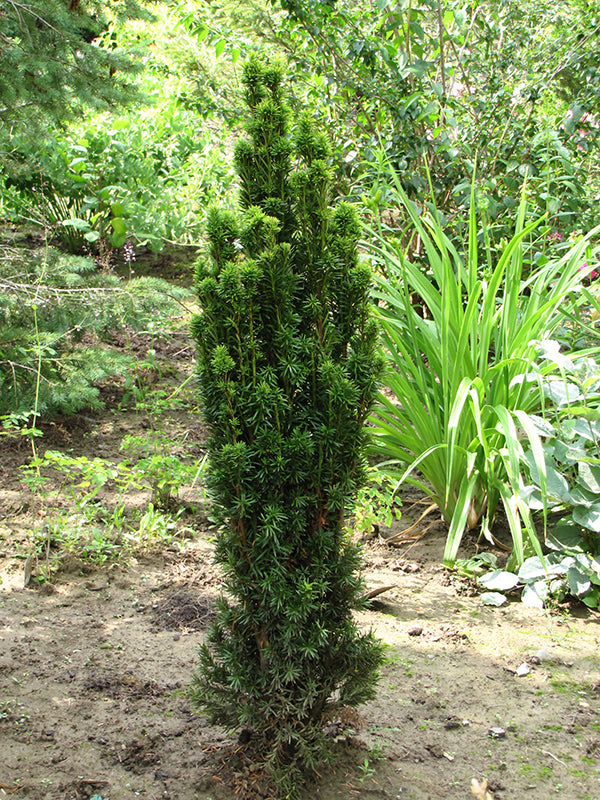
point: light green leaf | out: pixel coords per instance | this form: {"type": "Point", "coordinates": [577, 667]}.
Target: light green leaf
{"type": "Point", "coordinates": [588, 517]}
{"type": "Point", "coordinates": [579, 582]}
{"type": "Point", "coordinates": [493, 599]}
{"type": "Point", "coordinates": [118, 225]}
{"type": "Point", "coordinates": [592, 598]}
{"type": "Point", "coordinates": [531, 569]}
{"type": "Point", "coordinates": [531, 596]}
{"type": "Point", "coordinates": [499, 580]}
{"type": "Point", "coordinates": [589, 477]}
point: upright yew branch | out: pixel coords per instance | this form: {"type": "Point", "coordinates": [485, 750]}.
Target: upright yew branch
{"type": "Point", "coordinates": [288, 374]}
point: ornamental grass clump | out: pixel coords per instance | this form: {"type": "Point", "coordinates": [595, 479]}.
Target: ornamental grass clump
{"type": "Point", "coordinates": [288, 374]}
{"type": "Point", "coordinates": [466, 383]}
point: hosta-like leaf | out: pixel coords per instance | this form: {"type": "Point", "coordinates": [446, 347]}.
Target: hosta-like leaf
{"type": "Point", "coordinates": [592, 598]}
{"type": "Point", "coordinates": [531, 596]}
{"type": "Point", "coordinates": [542, 425]}
{"type": "Point", "coordinates": [588, 517]}
{"type": "Point", "coordinates": [564, 537]}
{"type": "Point", "coordinates": [589, 430]}
{"type": "Point", "coordinates": [562, 393]}
{"type": "Point", "coordinates": [589, 477]}
{"type": "Point", "coordinates": [550, 349]}
{"type": "Point", "coordinates": [579, 582]}
{"type": "Point", "coordinates": [493, 599]}
{"type": "Point", "coordinates": [583, 497]}
{"type": "Point", "coordinates": [531, 569]}
{"type": "Point", "coordinates": [499, 580]}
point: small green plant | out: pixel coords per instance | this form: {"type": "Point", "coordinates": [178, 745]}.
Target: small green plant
{"type": "Point", "coordinates": [92, 529]}
{"type": "Point", "coordinates": [163, 473]}
{"type": "Point", "coordinates": [376, 503]}
{"type": "Point", "coordinates": [366, 769]}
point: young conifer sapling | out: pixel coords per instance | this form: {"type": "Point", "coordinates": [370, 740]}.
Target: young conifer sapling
{"type": "Point", "coordinates": [288, 374]}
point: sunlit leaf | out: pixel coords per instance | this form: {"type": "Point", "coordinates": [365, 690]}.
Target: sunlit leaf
{"type": "Point", "coordinates": [499, 580]}
{"type": "Point", "coordinates": [579, 582]}
{"type": "Point", "coordinates": [493, 598]}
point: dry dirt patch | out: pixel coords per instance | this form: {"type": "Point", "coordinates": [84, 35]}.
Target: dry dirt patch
{"type": "Point", "coordinates": [94, 668]}
{"type": "Point", "coordinates": [93, 679]}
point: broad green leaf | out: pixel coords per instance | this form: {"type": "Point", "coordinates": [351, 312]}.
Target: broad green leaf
{"type": "Point", "coordinates": [531, 569]}
{"type": "Point", "coordinates": [499, 580]}
{"type": "Point", "coordinates": [592, 598]}
{"type": "Point", "coordinates": [564, 537]}
{"type": "Point", "coordinates": [562, 393]}
{"type": "Point", "coordinates": [589, 430]}
{"type": "Point", "coordinates": [75, 222]}
{"type": "Point", "coordinates": [118, 239]}
{"type": "Point", "coordinates": [579, 582]}
{"type": "Point", "coordinates": [543, 427]}
{"type": "Point", "coordinates": [534, 596]}
{"type": "Point", "coordinates": [588, 517]}
{"type": "Point", "coordinates": [583, 497]}
{"type": "Point", "coordinates": [493, 599]}
{"type": "Point", "coordinates": [119, 226]}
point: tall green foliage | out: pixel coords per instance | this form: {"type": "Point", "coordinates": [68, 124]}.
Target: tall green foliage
{"type": "Point", "coordinates": [436, 85]}
{"type": "Point", "coordinates": [288, 374]}
{"type": "Point", "coordinates": [464, 370]}
{"type": "Point", "coordinates": [60, 56]}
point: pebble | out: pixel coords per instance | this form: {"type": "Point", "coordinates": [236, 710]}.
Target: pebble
{"type": "Point", "coordinates": [543, 656]}
{"type": "Point", "coordinates": [416, 630]}
{"type": "Point", "coordinates": [523, 669]}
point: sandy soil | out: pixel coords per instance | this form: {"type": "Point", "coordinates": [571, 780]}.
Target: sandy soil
{"type": "Point", "coordinates": [95, 661]}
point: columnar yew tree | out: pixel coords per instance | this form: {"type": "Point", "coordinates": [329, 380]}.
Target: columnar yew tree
{"type": "Point", "coordinates": [288, 374]}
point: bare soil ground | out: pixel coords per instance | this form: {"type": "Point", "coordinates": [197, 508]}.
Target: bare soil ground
{"type": "Point", "coordinates": [95, 661]}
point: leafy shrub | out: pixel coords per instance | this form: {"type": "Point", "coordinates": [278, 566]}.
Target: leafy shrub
{"type": "Point", "coordinates": [146, 176]}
